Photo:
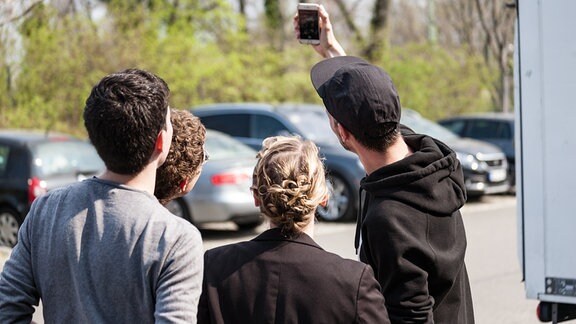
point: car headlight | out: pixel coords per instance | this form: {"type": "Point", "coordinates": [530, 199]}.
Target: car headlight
{"type": "Point", "coordinates": [468, 161]}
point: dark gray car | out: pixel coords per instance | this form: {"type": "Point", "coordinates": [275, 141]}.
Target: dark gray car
{"type": "Point", "coordinates": [495, 128]}
{"type": "Point", "coordinates": [250, 123]}
{"type": "Point", "coordinates": [484, 165]}
{"type": "Point", "coordinates": [32, 163]}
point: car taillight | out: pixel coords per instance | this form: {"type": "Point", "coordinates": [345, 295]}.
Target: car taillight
{"type": "Point", "coordinates": [229, 178]}
{"type": "Point", "coordinates": [36, 187]}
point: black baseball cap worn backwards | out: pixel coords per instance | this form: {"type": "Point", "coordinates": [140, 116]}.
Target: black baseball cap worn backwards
{"type": "Point", "coordinates": [359, 95]}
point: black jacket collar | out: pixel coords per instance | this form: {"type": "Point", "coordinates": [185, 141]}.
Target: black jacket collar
{"type": "Point", "coordinates": [275, 234]}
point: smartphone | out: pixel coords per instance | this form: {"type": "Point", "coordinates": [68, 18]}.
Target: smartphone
{"type": "Point", "coordinates": [308, 23]}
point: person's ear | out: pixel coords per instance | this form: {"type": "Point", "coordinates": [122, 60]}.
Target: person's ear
{"type": "Point", "coordinates": [183, 184]}
{"type": "Point", "coordinates": [159, 146]}
{"type": "Point", "coordinates": [343, 132]}
{"type": "Point", "coordinates": [256, 199]}
{"type": "Point", "coordinates": [324, 201]}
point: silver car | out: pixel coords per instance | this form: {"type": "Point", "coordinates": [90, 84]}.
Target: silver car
{"type": "Point", "coordinates": [222, 192]}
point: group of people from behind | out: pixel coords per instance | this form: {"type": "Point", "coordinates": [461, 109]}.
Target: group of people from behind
{"type": "Point", "coordinates": [105, 250]}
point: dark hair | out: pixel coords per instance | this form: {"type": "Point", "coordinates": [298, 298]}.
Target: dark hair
{"type": "Point", "coordinates": [380, 143]}
{"type": "Point", "coordinates": [123, 116]}
{"type": "Point", "coordinates": [185, 157]}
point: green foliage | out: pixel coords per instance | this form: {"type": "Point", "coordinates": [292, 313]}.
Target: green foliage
{"type": "Point", "coordinates": [52, 80]}
{"type": "Point", "coordinates": [215, 76]}
{"type": "Point", "coordinates": [5, 98]}
{"type": "Point", "coordinates": [437, 82]}
{"type": "Point", "coordinates": [203, 52]}
{"type": "Point", "coordinates": [273, 14]}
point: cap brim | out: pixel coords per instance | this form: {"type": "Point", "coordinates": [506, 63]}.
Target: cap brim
{"type": "Point", "coordinates": [324, 70]}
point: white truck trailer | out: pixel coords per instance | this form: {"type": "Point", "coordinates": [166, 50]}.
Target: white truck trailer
{"type": "Point", "coordinates": [545, 108]}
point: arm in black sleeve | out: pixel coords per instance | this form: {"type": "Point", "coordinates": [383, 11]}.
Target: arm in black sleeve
{"type": "Point", "coordinates": [396, 246]}
{"type": "Point", "coordinates": [371, 307]}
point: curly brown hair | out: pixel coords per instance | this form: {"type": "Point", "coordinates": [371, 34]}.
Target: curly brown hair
{"type": "Point", "coordinates": [289, 180]}
{"type": "Point", "coordinates": [185, 157]}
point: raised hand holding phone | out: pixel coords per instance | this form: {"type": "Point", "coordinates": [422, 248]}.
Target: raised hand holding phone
{"type": "Point", "coordinates": [328, 45]}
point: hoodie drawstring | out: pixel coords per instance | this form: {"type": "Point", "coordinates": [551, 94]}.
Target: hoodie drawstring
{"type": "Point", "coordinates": [359, 220]}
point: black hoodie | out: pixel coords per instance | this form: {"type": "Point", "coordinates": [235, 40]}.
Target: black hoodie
{"type": "Point", "coordinates": [413, 236]}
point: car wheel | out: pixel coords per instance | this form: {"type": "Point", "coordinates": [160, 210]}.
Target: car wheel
{"type": "Point", "coordinates": [340, 205]}
{"type": "Point", "coordinates": [178, 208]}
{"type": "Point", "coordinates": [9, 225]}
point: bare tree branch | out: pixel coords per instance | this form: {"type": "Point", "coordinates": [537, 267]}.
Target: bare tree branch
{"type": "Point", "coordinates": [242, 7]}
{"type": "Point", "coordinates": [349, 19]}
{"type": "Point", "coordinates": [24, 13]}
{"type": "Point", "coordinates": [378, 25]}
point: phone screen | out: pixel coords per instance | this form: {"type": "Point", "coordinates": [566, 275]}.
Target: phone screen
{"type": "Point", "coordinates": [308, 20]}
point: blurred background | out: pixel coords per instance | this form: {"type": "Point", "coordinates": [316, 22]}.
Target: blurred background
{"type": "Point", "coordinates": [447, 57]}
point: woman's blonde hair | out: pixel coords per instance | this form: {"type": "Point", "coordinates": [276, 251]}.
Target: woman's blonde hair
{"type": "Point", "coordinates": [289, 182]}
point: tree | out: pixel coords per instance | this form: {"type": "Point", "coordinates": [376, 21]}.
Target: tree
{"type": "Point", "coordinates": [485, 28]}
{"type": "Point", "coordinates": [371, 46]}
{"type": "Point", "coordinates": [274, 23]}
{"type": "Point", "coordinates": [378, 29]}
{"type": "Point", "coordinates": [10, 15]}
{"type": "Point", "coordinates": [497, 20]}
{"type": "Point", "coordinates": [435, 81]}
{"type": "Point", "coordinates": [204, 51]}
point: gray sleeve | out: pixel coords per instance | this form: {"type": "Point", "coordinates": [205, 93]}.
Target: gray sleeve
{"type": "Point", "coordinates": [180, 284]}
{"type": "Point", "coordinates": [18, 291]}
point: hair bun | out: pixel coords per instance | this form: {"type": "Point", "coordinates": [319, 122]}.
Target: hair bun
{"type": "Point", "coordinates": [289, 182]}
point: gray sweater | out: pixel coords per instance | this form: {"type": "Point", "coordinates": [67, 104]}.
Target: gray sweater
{"type": "Point", "coordinates": [99, 252]}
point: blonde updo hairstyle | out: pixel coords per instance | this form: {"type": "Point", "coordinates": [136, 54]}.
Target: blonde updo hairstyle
{"type": "Point", "coordinates": [289, 182]}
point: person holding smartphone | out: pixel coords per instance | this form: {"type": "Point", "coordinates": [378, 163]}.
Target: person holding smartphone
{"type": "Point", "coordinates": [327, 46]}
{"type": "Point", "coordinates": [409, 227]}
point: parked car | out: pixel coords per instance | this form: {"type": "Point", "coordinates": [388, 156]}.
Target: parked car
{"type": "Point", "coordinates": [32, 163]}
{"type": "Point", "coordinates": [250, 123]}
{"type": "Point", "coordinates": [484, 165]}
{"type": "Point", "coordinates": [222, 192]}
{"type": "Point", "coordinates": [495, 128]}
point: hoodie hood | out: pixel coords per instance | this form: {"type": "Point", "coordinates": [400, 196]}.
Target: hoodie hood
{"type": "Point", "coordinates": [430, 180]}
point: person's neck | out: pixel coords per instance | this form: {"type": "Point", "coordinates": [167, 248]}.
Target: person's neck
{"type": "Point", "coordinates": [373, 160]}
{"type": "Point", "coordinates": [144, 180]}
{"type": "Point", "coordinates": [308, 229]}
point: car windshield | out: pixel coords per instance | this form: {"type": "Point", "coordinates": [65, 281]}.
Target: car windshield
{"type": "Point", "coordinates": [422, 125]}
{"type": "Point", "coordinates": [313, 124]}
{"type": "Point", "coordinates": [66, 157]}
{"type": "Point", "coordinates": [220, 147]}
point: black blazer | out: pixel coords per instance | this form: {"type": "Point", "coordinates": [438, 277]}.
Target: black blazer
{"type": "Point", "coordinates": [273, 279]}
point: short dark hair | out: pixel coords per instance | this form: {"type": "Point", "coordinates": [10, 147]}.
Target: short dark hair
{"type": "Point", "coordinates": [379, 143]}
{"type": "Point", "coordinates": [123, 116]}
{"type": "Point", "coordinates": [185, 157]}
